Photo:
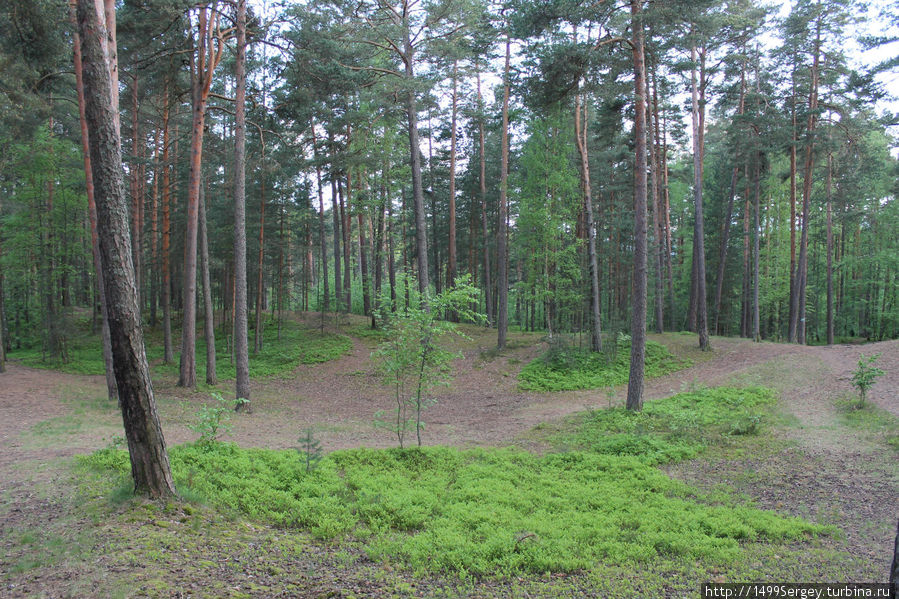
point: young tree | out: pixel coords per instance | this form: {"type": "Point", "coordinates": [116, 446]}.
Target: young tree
{"type": "Point", "coordinates": [149, 460]}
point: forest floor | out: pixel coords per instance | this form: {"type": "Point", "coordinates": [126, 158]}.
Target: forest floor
{"type": "Point", "coordinates": [824, 462]}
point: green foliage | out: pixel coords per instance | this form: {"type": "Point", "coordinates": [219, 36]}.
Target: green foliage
{"type": "Point", "coordinates": [480, 511]}
{"type": "Point", "coordinates": [213, 420]}
{"type": "Point", "coordinates": [412, 360]}
{"type": "Point", "coordinates": [671, 429]}
{"type": "Point", "coordinates": [865, 375]}
{"type": "Point", "coordinates": [568, 368]}
{"type": "Point", "coordinates": [311, 449]}
{"type": "Point", "coordinates": [296, 346]}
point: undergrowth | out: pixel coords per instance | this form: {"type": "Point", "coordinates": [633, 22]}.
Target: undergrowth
{"type": "Point", "coordinates": [571, 368]}
{"type": "Point", "coordinates": [495, 511]}
{"type": "Point", "coordinates": [297, 345]}
{"type": "Point", "coordinates": [671, 429]}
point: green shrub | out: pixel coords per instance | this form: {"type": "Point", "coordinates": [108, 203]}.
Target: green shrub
{"type": "Point", "coordinates": [480, 511]}
{"type": "Point", "coordinates": [563, 368]}
{"type": "Point", "coordinates": [670, 429]}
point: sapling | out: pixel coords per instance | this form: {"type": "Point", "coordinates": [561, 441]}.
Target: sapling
{"type": "Point", "coordinates": [212, 420]}
{"type": "Point", "coordinates": [311, 449]}
{"type": "Point", "coordinates": [864, 377]}
{"type": "Point", "coordinates": [412, 359]}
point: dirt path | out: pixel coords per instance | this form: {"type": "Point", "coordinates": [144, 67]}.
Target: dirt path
{"type": "Point", "coordinates": [483, 406]}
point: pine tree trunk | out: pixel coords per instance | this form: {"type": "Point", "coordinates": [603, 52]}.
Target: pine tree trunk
{"type": "Point", "coordinates": [208, 311]}
{"type": "Point", "coordinates": [451, 262]}
{"type": "Point", "coordinates": [326, 292]}
{"type": "Point", "coordinates": [260, 289]}
{"type": "Point", "coordinates": [829, 193]}
{"type": "Point", "coordinates": [502, 256]}
{"type": "Point", "coordinates": [657, 228]}
{"type": "Point", "coordinates": [136, 199]}
{"type": "Point", "coordinates": [418, 199]}
{"type": "Point", "coordinates": [241, 335]}
{"type": "Point", "coordinates": [202, 68]}
{"type": "Point", "coordinates": [168, 355]}
{"type": "Point", "coordinates": [111, 389]}
{"type": "Point", "coordinates": [149, 461]}
{"type": "Point", "coordinates": [756, 333]}
{"type": "Point", "coordinates": [807, 189]}
{"type": "Point", "coordinates": [698, 96]}
{"type": "Point", "coordinates": [335, 213]}
{"type": "Point", "coordinates": [580, 134]}
{"type": "Point", "coordinates": [488, 286]}
{"type": "Point", "coordinates": [638, 301]}
{"type": "Point", "coordinates": [346, 228]}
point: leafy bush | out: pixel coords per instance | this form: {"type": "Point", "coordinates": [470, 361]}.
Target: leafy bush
{"type": "Point", "coordinates": [865, 375]}
{"type": "Point", "coordinates": [212, 420]}
{"type": "Point", "coordinates": [564, 368]}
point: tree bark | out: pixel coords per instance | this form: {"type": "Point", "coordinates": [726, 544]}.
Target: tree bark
{"type": "Point", "coordinates": [111, 390]}
{"type": "Point", "coordinates": [203, 64]}
{"type": "Point", "coordinates": [241, 336]}
{"type": "Point", "coordinates": [658, 231]}
{"type": "Point", "coordinates": [335, 213]}
{"type": "Point", "coordinates": [326, 292]}
{"type": "Point", "coordinates": [502, 256]}
{"type": "Point", "coordinates": [488, 286]}
{"type": "Point", "coordinates": [149, 460]}
{"type": "Point", "coordinates": [418, 198]}
{"type": "Point", "coordinates": [208, 311]}
{"type": "Point", "coordinates": [698, 100]}
{"type": "Point", "coordinates": [260, 289]}
{"type": "Point", "coordinates": [756, 333]}
{"type": "Point", "coordinates": [829, 193]}
{"type": "Point", "coordinates": [638, 318]}
{"type": "Point", "coordinates": [580, 134]}
{"type": "Point", "coordinates": [451, 262]}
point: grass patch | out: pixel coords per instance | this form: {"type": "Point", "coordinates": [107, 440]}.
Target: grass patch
{"type": "Point", "coordinates": [667, 430]}
{"type": "Point", "coordinates": [297, 345]}
{"type": "Point", "coordinates": [869, 418]}
{"type": "Point", "coordinates": [485, 511]}
{"type": "Point", "coordinates": [571, 368]}
{"type": "Point", "coordinates": [366, 332]}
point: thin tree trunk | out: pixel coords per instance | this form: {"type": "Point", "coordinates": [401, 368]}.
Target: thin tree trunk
{"type": "Point", "coordinates": [111, 390]}
{"type": "Point", "coordinates": [154, 232]}
{"type": "Point", "coordinates": [698, 96]}
{"type": "Point", "coordinates": [168, 355]}
{"type": "Point", "coordinates": [335, 213]}
{"type": "Point", "coordinates": [756, 333]}
{"type": "Point", "coordinates": [829, 192]}
{"type": "Point", "coordinates": [208, 311]}
{"type": "Point", "coordinates": [638, 318]}
{"type": "Point", "coordinates": [326, 292]}
{"type": "Point", "coordinates": [807, 189]}
{"type": "Point", "coordinates": [580, 135]}
{"type": "Point", "coordinates": [204, 63]}
{"type": "Point", "coordinates": [346, 228]}
{"type": "Point", "coordinates": [241, 336]}
{"type": "Point", "coordinates": [793, 323]}
{"type": "Point", "coordinates": [418, 199]}
{"type": "Point", "coordinates": [136, 199]}
{"type": "Point", "coordinates": [451, 262]}
{"type": "Point", "coordinates": [149, 460]}
{"type": "Point", "coordinates": [728, 215]}
{"type": "Point", "coordinates": [502, 257]}
{"type": "Point", "coordinates": [653, 131]}
{"type": "Point", "coordinates": [488, 286]}
{"type": "Point", "coordinates": [260, 289]}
